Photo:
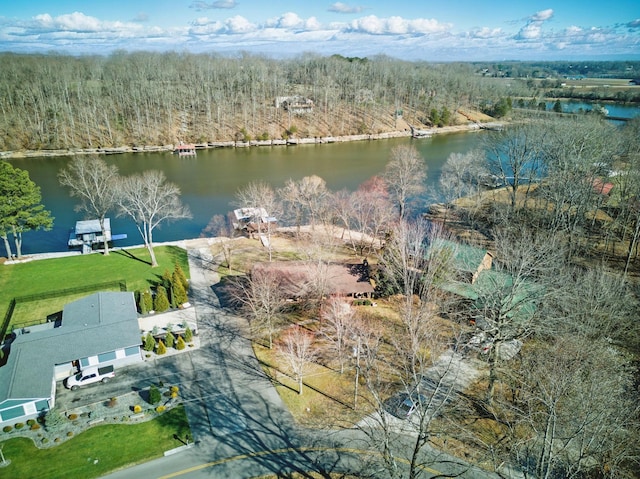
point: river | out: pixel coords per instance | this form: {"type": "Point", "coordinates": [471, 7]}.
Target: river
{"type": "Point", "coordinates": [209, 181]}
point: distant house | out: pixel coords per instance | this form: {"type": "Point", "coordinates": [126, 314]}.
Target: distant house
{"type": "Point", "coordinates": [294, 104]}
{"type": "Point", "coordinates": [251, 219]}
{"type": "Point", "coordinates": [96, 330]}
{"type": "Point", "coordinates": [298, 278]}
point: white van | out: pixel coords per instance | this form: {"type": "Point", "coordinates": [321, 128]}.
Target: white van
{"type": "Point", "coordinates": [90, 375]}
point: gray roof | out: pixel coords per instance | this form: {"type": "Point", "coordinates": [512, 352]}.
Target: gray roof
{"type": "Point", "coordinates": [92, 226]}
{"type": "Point", "coordinates": [99, 323]}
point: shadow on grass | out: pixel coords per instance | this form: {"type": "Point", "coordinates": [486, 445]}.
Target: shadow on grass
{"type": "Point", "coordinates": [128, 254]}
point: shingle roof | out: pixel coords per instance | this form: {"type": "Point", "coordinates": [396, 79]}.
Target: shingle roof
{"type": "Point", "coordinates": [98, 323]}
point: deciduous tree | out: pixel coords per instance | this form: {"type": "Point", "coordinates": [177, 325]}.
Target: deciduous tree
{"type": "Point", "coordinates": [404, 175]}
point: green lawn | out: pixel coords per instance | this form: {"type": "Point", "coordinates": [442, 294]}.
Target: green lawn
{"type": "Point", "coordinates": [97, 451]}
{"type": "Point", "coordinates": [59, 273]}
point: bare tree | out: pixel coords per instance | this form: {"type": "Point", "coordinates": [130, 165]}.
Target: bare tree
{"type": "Point", "coordinates": [94, 183]}
{"type": "Point", "coordinates": [262, 298]}
{"type": "Point", "coordinates": [297, 353]}
{"type": "Point", "coordinates": [149, 200]}
{"type": "Point", "coordinates": [336, 316]}
{"type": "Point", "coordinates": [405, 175]}
{"type": "Point", "coordinates": [261, 199]}
{"type": "Point", "coordinates": [463, 175]}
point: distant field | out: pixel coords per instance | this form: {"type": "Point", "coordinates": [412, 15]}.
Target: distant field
{"type": "Point", "coordinates": [592, 83]}
{"type": "Point", "coordinates": [36, 277]}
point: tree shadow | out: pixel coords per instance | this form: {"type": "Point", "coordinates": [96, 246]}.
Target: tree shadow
{"type": "Point", "coordinates": [128, 254]}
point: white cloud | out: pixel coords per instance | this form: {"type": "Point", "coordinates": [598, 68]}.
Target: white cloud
{"type": "Point", "coordinates": [396, 26]}
{"type": "Point", "coordinates": [226, 4]}
{"type": "Point", "coordinates": [530, 32]}
{"type": "Point", "coordinates": [340, 7]}
{"type": "Point", "coordinates": [486, 32]}
{"type": "Point", "coordinates": [542, 15]}
{"type": "Point", "coordinates": [239, 24]}
{"type": "Point", "coordinates": [290, 20]}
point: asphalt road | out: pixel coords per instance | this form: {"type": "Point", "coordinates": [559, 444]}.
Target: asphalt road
{"type": "Point", "coordinates": [239, 424]}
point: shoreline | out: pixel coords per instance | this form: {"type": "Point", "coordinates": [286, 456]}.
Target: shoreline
{"type": "Point", "coordinates": [20, 154]}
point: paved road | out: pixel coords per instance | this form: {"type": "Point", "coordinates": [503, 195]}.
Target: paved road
{"type": "Point", "coordinates": [240, 426]}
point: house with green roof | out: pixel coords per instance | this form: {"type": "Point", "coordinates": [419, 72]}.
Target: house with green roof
{"type": "Point", "coordinates": [96, 330]}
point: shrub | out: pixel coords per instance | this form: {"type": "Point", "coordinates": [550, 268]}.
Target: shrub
{"type": "Point", "coordinates": [53, 419]}
{"type": "Point", "coordinates": [19, 425]}
{"type": "Point", "coordinates": [175, 389]}
{"type": "Point", "coordinates": [170, 339]}
{"type": "Point", "coordinates": [179, 294]}
{"type": "Point", "coordinates": [162, 349]}
{"type": "Point", "coordinates": [70, 433]}
{"type": "Point", "coordinates": [45, 440]}
{"type": "Point", "coordinates": [142, 307]}
{"type": "Point", "coordinates": [137, 409]}
{"type": "Point", "coordinates": [149, 342]}
{"type": "Point", "coordinates": [160, 409]}
{"type": "Point", "coordinates": [31, 422]}
{"type": "Point", "coordinates": [180, 344]}
{"type": "Point", "coordinates": [112, 402]}
{"type": "Point", "coordinates": [174, 395]}
{"type": "Point", "coordinates": [35, 426]}
{"type": "Point", "coordinates": [57, 439]}
{"type": "Point", "coordinates": [154, 395]}
{"type": "Point", "coordinates": [161, 301]}
{"type": "Point", "coordinates": [72, 417]}
{"type": "Point", "coordinates": [188, 334]}
{"type": "Point", "coordinates": [178, 272]}
{"type": "Point", "coordinates": [7, 429]}
{"type": "Point", "coordinates": [148, 300]}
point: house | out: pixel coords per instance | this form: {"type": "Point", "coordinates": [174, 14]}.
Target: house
{"type": "Point", "coordinates": [468, 261]}
{"type": "Point", "coordinates": [96, 330]}
{"type": "Point", "coordinates": [184, 149]}
{"type": "Point", "coordinates": [294, 104]}
{"type": "Point", "coordinates": [88, 233]}
{"type": "Point", "coordinates": [252, 219]}
{"type": "Point", "coordinates": [297, 279]}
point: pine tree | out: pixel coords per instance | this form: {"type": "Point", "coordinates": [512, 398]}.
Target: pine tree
{"type": "Point", "coordinates": [162, 349]}
{"type": "Point", "coordinates": [188, 334]}
{"type": "Point", "coordinates": [149, 342]}
{"type": "Point", "coordinates": [161, 301]}
{"type": "Point", "coordinates": [179, 293]}
{"type": "Point", "coordinates": [170, 339]}
{"type": "Point", "coordinates": [180, 344]}
{"type": "Point", "coordinates": [178, 271]}
{"type": "Point", "coordinates": [154, 395]}
{"type": "Point", "coordinates": [148, 300]}
{"type": "Point", "coordinates": [142, 306]}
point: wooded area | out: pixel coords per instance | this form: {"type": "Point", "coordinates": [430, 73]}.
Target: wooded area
{"type": "Point", "coordinates": [56, 101]}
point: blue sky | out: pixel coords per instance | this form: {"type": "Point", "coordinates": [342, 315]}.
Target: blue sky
{"type": "Point", "coordinates": [445, 30]}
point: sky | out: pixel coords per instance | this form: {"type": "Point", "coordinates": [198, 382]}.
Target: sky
{"type": "Point", "coordinates": [444, 30]}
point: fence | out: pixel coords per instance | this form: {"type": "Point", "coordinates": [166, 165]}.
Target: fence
{"type": "Point", "coordinates": [121, 284]}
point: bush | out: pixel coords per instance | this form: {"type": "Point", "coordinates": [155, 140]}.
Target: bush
{"type": "Point", "coordinates": [180, 344]}
{"type": "Point", "coordinates": [170, 339]}
{"type": "Point", "coordinates": [72, 417]}
{"type": "Point", "coordinates": [161, 301]}
{"type": "Point", "coordinates": [178, 273]}
{"type": "Point", "coordinates": [112, 402]}
{"type": "Point", "coordinates": [160, 409]}
{"type": "Point", "coordinates": [154, 395]}
{"type": "Point", "coordinates": [35, 426]}
{"type": "Point", "coordinates": [31, 422]}
{"type": "Point", "coordinates": [7, 429]}
{"type": "Point", "coordinates": [19, 425]}
{"type": "Point", "coordinates": [70, 433]}
{"type": "Point", "coordinates": [175, 389]}
{"type": "Point", "coordinates": [53, 419]}
{"type": "Point", "coordinates": [188, 334]}
{"type": "Point", "coordinates": [137, 409]}
{"type": "Point", "coordinates": [179, 294]}
{"type": "Point", "coordinates": [45, 440]}
{"type": "Point", "coordinates": [149, 342]}
{"type": "Point", "coordinates": [162, 349]}
{"type": "Point", "coordinates": [142, 307]}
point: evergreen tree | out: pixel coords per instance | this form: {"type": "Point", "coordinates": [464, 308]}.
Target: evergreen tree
{"type": "Point", "coordinates": [170, 339]}
{"type": "Point", "coordinates": [148, 300]}
{"type": "Point", "coordinates": [178, 271]}
{"type": "Point", "coordinates": [162, 349]}
{"type": "Point", "coordinates": [188, 334]}
{"type": "Point", "coordinates": [154, 395]}
{"type": "Point", "coordinates": [149, 342]}
{"type": "Point", "coordinates": [161, 301]}
{"type": "Point", "coordinates": [179, 293]}
{"type": "Point", "coordinates": [180, 344]}
{"type": "Point", "coordinates": [142, 305]}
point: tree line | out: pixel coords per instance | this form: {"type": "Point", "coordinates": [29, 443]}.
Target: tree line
{"type": "Point", "coordinates": [144, 98]}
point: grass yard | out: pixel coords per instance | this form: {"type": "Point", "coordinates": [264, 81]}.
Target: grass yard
{"type": "Point", "coordinates": [97, 451]}
{"type": "Point", "coordinates": [75, 271]}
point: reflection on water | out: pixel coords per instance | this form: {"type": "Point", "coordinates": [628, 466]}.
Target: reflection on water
{"type": "Point", "coordinates": [209, 181]}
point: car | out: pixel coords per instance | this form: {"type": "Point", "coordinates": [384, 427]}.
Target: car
{"type": "Point", "coordinates": [90, 375]}
{"type": "Point", "coordinates": [404, 405]}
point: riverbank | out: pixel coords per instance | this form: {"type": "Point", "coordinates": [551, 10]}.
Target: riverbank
{"type": "Point", "coordinates": [468, 127]}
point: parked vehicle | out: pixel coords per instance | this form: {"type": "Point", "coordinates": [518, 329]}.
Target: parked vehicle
{"type": "Point", "coordinates": [90, 375]}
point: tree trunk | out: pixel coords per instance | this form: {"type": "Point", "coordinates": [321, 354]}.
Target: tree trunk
{"type": "Point", "coordinates": [17, 237]}
{"type": "Point", "coordinates": [7, 246]}
{"type": "Point", "coordinates": [104, 236]}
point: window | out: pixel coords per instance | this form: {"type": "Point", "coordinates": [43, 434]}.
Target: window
{"type": "Point", "coordinates": [104, 357]}
{"type": "Point", "coordinates": [12, 413]}
{"type": "Point", "coordinates": [84, 362]}
{"type": "Point", "coordinates": [132, 351]}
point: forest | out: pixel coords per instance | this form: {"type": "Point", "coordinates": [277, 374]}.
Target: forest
{"type": "Point", "coordinates": [63, 102]}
